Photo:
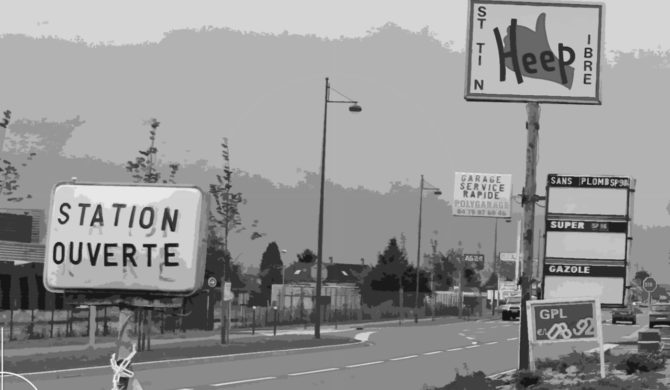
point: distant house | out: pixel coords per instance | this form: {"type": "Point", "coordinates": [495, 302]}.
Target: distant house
{"type": "Point", "coordinates": [340, 286]}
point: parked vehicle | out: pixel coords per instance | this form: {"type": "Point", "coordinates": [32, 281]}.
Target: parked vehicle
{"type": "Point", "coordinates": [626, 314]}
{"type": "Point", "coordinates": [659, 313]}
{"type": "Point", "coordinates": [512, 308]}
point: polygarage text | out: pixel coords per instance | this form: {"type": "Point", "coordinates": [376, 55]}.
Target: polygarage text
{"type": "Point", "coordinates": [113, 254]}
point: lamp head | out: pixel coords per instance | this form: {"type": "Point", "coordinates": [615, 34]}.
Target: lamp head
{"type": "Point", "coordinates": [355, 108]}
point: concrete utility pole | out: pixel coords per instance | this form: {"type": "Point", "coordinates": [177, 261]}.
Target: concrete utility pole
{"type": "Point", "coordinates": [528, 200]}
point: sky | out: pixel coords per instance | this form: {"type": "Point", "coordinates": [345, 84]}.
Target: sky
{"type": "Point", "coordinates": [629, 24]}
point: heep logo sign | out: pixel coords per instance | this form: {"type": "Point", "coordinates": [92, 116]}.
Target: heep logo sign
{"type": "Point", "coordinates": [563, 320]}
{"type": "Point", "coordinates": [126, 237]}
{"type": "Point", "coordinates": [520, 50]}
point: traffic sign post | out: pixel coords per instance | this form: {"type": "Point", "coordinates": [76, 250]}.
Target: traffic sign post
{"type": "Point", "coordinates": [126, 245]}
{"type": "Point", "coordinates": [649, 285]}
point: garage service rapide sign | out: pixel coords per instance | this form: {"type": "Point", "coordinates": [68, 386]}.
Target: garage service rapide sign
{"type": "Point", "coordinates": [112, 237]}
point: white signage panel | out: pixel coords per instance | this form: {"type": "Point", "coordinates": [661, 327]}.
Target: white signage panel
{"type": "Point", "coordinates": [522, 50]}
{"type": "Point", "coordinates": [576, 245]}
{"type": "Point", "coordinates": [482, 195]}
{"type": "Point", "coordinates": [109, 237]}
{"type": "Point", "coordinates": [610, 290]}
{"type": "Point", "coordinates": [588, 201]}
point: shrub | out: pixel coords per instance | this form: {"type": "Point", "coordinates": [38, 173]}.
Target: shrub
{"type": "Point", "coordinates": [470, 381]}
{"type": "Point", "coordinates": [582, 361]}
{"type": "Point", "coordinates": [527, 378]}
{"type": "Point", "coordinates": [641, 362]}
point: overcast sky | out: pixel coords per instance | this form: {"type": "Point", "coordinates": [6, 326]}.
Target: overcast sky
{"type": "Point", "coordinates": [629, 24]}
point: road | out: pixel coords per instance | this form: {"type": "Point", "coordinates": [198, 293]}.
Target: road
{"type": "Point", "coordinates": [403, 357]}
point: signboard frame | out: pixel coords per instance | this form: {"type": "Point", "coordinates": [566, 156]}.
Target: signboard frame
{"type": "Point", "coordinates": [110, 296]}
{"type": "Point", "coordinates": [597, 318]}
{"type": "Point", "coordinates": [614, 181]}
{"type": "Point", "coordinates": [598, 58]}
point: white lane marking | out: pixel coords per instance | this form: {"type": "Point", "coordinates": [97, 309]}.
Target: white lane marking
{"type": "Point", "coordinates": [365, 364]}
{"type": "Point", "coordinates": [501, 373]}
{"type": "Point", "coordinates": [492, 342]}
{"type": "Point", "coordinates": [363, 336]}
{"type": "Point", "coordinates": [432, 353]}
{"type": "Point", "coordinates": [605, 347]}
{"type": "Point", "coordinates": [454, 349]}
{"type": "Point", "coordinates": [244, 381]}
{"type": "Point", "coordinates": [187, 388]}
{"type": "Point", "coordinates": [474, 342]}
{"type": "Point", "coordinates": [461, 334]}
{"type": "Point", "coordinates": [512, 338]}
{"type": "Point", "coordinates": [506, 325]}
{"type": "Point", "coordinates": [313, 372]}
{"type": "Point", "coordinates": [404, 357]}
{"type": "Point", "coordinates": [634, 334]}
{"type": "Point", "coordinates": [469, 338]}
{"type": "Point", "coordinates": [473, 346]}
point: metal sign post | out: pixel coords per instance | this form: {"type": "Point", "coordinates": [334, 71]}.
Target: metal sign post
{"type": "Point", "coordinates": [649, 285]}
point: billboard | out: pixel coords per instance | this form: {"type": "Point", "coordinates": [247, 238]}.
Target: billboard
{"type": "Point", "coordinates": [524, 50]}
{"type": "Point", "coordinates": [482, 195]}
{"type": "Point", "coordinates": [563, 320]}
{"type": "Point", "coordinates": [113, 237]}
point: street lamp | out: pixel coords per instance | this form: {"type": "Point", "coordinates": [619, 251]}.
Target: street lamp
{"type": "Point", "coordinates": [275, 320]}
{"type": "Point", "coordinates": [253, 321]}
{"type": "Point", "coordinates": [436, 191]}
{"type": "Point", "coordinates": [353, 107]}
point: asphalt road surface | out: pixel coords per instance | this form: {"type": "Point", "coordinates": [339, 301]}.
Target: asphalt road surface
{"type": "Point", "coordinates": [398, 358]}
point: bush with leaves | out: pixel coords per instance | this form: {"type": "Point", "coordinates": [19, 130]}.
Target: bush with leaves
{"type": "Point", "coordinates": [641, 362]}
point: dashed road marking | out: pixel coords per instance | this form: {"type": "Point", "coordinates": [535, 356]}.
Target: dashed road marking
{"type": "Point", "coordinates": [365, 364]}
{"type": "Point", "coordinates": [432, 353]}
{"type": "Point", "coordinates": [404, 357]}
{"type": "Point", "coordinates": [469, 338]}
{"type": "Point", "coordinates": [454, 349]}
{"type": "Point", "coordinates": [244, 381]}
{"type": "Point", "coordinates": [314, 372]}
{"type": "Point", "coordinates": [473, 346]}
{"type": "Point", "coordinates": [461, 334]}
{"type": "Point", "coordinates": [512, 338]}
{"type": "Point", "coordinates": [492, 342]}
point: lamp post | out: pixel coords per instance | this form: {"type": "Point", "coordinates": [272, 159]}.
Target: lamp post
{"type": "Point", "coordinates": [436, 191]}
{"type": "Point", "coordinates": [253, 321]}
{"type": "Point", "coordinates": [274, 332]}
{"type": "Point", "coordinates": [354, 107]}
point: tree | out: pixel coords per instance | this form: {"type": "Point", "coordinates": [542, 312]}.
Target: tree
{"type": "Point", "coordinates": [640, 276]}
{"type": "Point", "coordinates": [307, 256]}
{"type": "Point", "coordinates": [391, 272]}
{"type": "Point", "coordinates": [143, 169]}
{"type": "Point", "coordinates": [9, 173]}
{"type": "Point", "coordinates": [270, 273]}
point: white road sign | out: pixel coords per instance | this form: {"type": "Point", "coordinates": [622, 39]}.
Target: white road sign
{"type": "Point", "coordinates": [482, 195]}
{"type": "Point", "coordinates": [504, 256]}
{"type": "Point", "coordinates": [544, 51]}
{"type": "Point", "coordinates": [149, 238]}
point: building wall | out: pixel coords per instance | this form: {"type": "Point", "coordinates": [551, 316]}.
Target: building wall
{"type": "Point", "coordinates": [297, 296]}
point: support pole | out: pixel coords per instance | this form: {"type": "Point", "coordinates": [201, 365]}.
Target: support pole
{"type": "Point", "coordinates": [533, 126]}
{"type": "Point", "coordinates": [92, 326]}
